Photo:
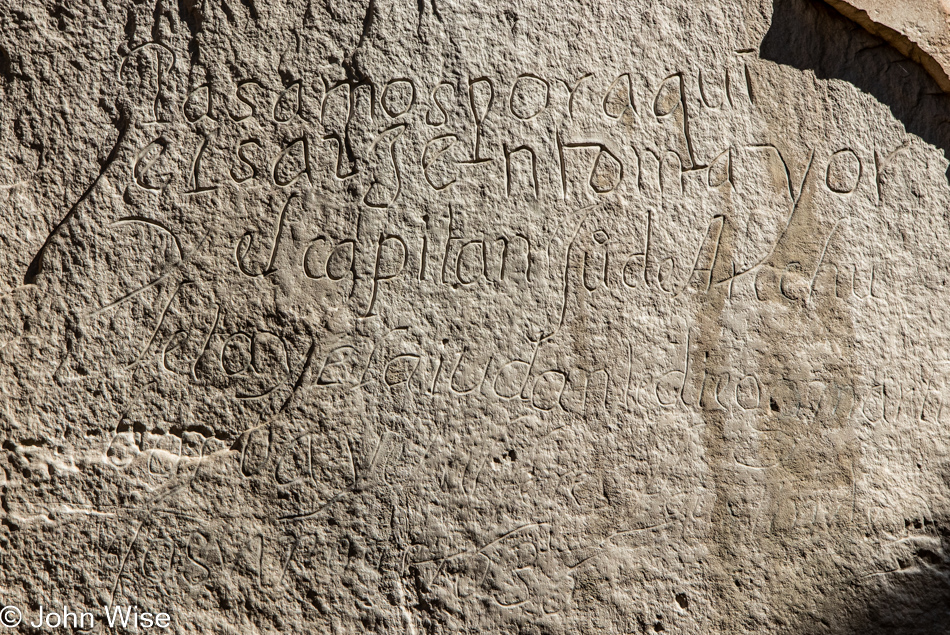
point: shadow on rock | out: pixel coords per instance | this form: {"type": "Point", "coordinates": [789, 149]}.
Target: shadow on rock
{"type": "Point", "coordinates": [810, 35]}
{"type": "Point", "coordinates": [910, 597]}
{"type": "Point", "coordinates": [907, 591]}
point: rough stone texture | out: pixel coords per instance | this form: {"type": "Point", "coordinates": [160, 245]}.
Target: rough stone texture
{"type": "Point", "coordinates": [463, 317]}
{"type": "Point", "coordinates": [920, 29]}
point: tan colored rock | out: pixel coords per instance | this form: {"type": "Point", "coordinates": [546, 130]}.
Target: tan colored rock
{"type": "Point", "coordinates": [454, 317]}
{"type": "Point", "coordinates": [920, 29]}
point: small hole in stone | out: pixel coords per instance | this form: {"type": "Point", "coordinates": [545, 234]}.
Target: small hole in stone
{"type": "Point", "coordinates": [773, 405]}
{"type": "Point", "coordinates": [682, 600]}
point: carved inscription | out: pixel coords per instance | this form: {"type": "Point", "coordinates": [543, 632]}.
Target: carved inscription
{"type": "Point", "coordinates": [349, 345]}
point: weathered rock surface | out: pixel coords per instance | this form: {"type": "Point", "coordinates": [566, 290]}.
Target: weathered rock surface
{"type": "Point", "coordinates": [463, 317]}
{"type": "Point", "coordinates": [920, 29]}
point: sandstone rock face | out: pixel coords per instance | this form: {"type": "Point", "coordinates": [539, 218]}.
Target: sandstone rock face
{"type": "Point", "coordinates": [920, 29]}
{"type": "Point", "coordinates": [456, 317]}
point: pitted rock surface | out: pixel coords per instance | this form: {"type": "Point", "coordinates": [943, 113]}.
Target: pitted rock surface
{"type": "Point", "coordinates": [456, 317]}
